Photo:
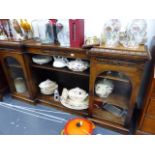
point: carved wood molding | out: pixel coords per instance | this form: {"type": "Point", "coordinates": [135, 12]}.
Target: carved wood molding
{"type": "Point", "coordinates": [122, 52]}
{"type": "Point", "coordinates": [115, 62]}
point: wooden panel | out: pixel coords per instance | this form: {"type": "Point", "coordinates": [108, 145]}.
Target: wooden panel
{"type": "Point", "coordinates": [151, 108]}
{"type": "Point", "coordinates": [149, 125]}
{"type": "Point", "coordinates": [152, 93]}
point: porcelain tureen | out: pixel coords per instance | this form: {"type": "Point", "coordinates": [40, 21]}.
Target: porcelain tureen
{"type": "Point", "coordinates": [75, 98]}
{"type": "Point", "coordinates": [78, 65]}
{"type": "Point", "coordinates": [104, 88]}
{"type": "Point", "coordinates": [48, 87]}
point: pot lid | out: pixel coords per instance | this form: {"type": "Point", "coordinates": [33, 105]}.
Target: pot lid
{"type": "Point", "coordinates": [77, 92]}
{"type": "Point", "coordinates": [79, 126]}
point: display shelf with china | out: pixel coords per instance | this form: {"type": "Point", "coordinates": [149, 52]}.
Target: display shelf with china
{"type": "Point", "coordinates": [65, 82]}
{"type": "Point", "coordinates": [62, 67]}
{"type": "Point", "coordinates": [121, 65]}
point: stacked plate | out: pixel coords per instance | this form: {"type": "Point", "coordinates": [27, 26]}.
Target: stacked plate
{"type": "Point", "coordinates": [75, 98]}
{"type": "Point", "coordinates": [69, 103]}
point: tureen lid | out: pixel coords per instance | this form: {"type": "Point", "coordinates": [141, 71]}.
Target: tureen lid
{"type": "Point", "coordinates": [77, 91]}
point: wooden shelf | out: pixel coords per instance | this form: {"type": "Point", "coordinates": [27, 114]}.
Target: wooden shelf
{"type": "Point", "coordinates": [114, 78]}
{"type": "Point", "coordinates": [115, 99]}
{"type": "Point", "coordinates": [64, 70]}
{"type": "Point", "coordinates": [26, 94]}
{"type": "Point", "coordinates": [85, 73]}
{"type": "Point", "coordinates": [49, 101]}
{"type": "Point", "coordinates": [23, 97]}
{"type": "Point", "coordinates": [14, 66]}
{"type": "Point", "coordinates": [105, 115]}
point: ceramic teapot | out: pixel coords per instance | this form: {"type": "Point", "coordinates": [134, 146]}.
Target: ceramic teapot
{"type": "Point", "coordinates": [104, 88]}
{"type": "Point", "coordinates": [60, 62]}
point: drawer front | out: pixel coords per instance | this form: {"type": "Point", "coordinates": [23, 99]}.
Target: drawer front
{"type": "Point", "coordinates": [67, 54]}
{"type": "Point", "coordinates": [151, 108]}
{"type": "Point", "coordinates": [148, 125]}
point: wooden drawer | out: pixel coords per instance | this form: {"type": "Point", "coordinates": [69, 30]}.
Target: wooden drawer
{"type": "Point", "coordinates": [67, 54]}
{"type": "Point", "coordinates": [148, 125]}
{"type": "Point", "coordinates": [151, 108]}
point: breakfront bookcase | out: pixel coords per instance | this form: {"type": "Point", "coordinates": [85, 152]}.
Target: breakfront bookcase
{"type": "Point", "coordinates": [125, 67]}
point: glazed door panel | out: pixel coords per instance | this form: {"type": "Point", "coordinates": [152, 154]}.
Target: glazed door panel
{"type": "Point", "coordinates": [17, 74]}
{"type": "Point", "coordinates": [126, 76]}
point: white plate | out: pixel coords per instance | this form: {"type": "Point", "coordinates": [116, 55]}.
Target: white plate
{"type": "Point", "coordinates": [69, 105]}
{"type": "Point", "coordinates": [77, 104]}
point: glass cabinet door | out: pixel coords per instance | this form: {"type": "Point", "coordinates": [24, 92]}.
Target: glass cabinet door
{"type": "Point", "coordinates": [112, 96]}
{"type": "Point", "coordinates": [16, 76]}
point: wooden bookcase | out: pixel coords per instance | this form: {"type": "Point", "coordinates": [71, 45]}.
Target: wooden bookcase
{"type": "Point", "coordinates": [130, 63]}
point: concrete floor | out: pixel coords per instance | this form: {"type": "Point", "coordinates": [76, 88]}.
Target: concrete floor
{"type": "Point", "coordinates": [25, 119]}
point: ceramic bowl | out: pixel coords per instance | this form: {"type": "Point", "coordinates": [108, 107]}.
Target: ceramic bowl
{"type": "Point", "coordinates": [40, 59]}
